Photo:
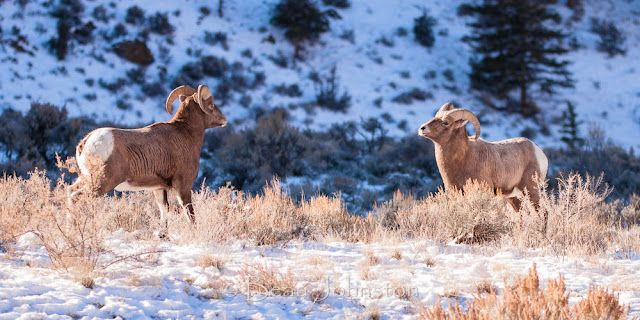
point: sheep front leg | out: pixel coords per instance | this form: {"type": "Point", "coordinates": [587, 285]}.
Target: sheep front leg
{"type": "Point", "coordinates": [163, 204]}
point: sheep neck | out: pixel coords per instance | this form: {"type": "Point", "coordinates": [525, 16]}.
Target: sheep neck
{"type": "Point", "coordinates": [451, 155]}
{"type": "Point", "coordinates": [191, 122]}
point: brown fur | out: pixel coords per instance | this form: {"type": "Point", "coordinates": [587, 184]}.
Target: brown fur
{"type": "Point", "coordinates": [503, 165]}
{"type": "Point", "coordinates": [160, 156]}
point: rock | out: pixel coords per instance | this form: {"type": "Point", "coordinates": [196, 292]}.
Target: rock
{"type": "Point", "coordinates": [135, 51]}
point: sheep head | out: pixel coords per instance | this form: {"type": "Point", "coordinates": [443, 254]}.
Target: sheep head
{"type": "Point", "coordinates": [204, 99]}
{"type": "Point", "coordinates": [447, 121]}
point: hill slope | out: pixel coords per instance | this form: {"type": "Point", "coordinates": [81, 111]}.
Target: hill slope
{"type": "Point", "coordinates": [372, 48]}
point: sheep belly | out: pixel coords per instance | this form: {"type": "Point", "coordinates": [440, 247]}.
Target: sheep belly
{"type": "Point", "coordinates": [125, 186]}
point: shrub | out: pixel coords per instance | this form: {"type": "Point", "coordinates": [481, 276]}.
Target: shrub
{"type": "Point", "coordinates": [35, 138]}
{"type": "Point", "coordinates": [621, 167]}
{"type": "Point", "coordinates": [100, 13]}
{"type": "Point", "coordinates": [413, 94]}
{"type": "Point", "coordinates": [135, 16]}
{"type": "Point", "coordinates": [214, 66]}
{"type": "Point", "coordinates": [292, 90]}
{"type": "Point", "coordinates": [159, 23]}
{"type": "Point", "coordinates": [611, 39]}
{"type": "Point", "coordinates": [214, 38]}
{"type": "Point", "coordinates": [302, 21]}
{"type": "Point", "coordinates": [68, 13]}
{"type": "Point", "coordinates": [343, 4]}
{"type": "Point", "coordinates": [327, 94]}
{"type": "Point", "coordinates": [423, 30]}
{"type": "Point", "coordinates": [273, 147]}
{"type": "Point", "coordinates": [190, 74]}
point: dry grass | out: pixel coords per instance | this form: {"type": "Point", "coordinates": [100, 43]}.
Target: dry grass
{"type": "Point", "coordinates": [266, 280]}
{"type": "Point", "coordinates": [396, 254]}
{"type": "Point", "coordinates": [402, 291]}
{"type": "Point", "coordinates": [210, 260]}
{"type": "Point", "coordinates": [579, 221]}
{"type": "Point", "coordinates": [526, 300]}
{"type": "Point", "coordinates": [473, 217]}
{"type": "Point", "coordinates": [370, 258]}
{"type": "Point", "coordinates": [372, 313]}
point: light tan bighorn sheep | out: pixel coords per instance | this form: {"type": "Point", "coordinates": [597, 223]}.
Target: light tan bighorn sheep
{"type": "Point", "coordinates": [510, 166]}
{"type": "Point", "coordinates": [158, 157]}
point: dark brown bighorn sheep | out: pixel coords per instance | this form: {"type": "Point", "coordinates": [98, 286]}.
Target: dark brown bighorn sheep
{"type": "Point", "coordinates": [510, 166]}
{"type": "Point", "coordinates": [158, 157]}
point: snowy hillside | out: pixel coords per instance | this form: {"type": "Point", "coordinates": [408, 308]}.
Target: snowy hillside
{"type": "Point", "coordinates": [372, 48]}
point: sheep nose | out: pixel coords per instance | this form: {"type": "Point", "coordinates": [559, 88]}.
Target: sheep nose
{"type": "Point", "coordinates": [423, 128]}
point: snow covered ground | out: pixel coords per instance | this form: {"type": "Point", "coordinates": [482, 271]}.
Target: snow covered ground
{"type": "Point", "coordinates": [348, 280]}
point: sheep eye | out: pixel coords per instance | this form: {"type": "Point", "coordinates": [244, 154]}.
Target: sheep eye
{"type": "Point", "coordinates": [446, 123]}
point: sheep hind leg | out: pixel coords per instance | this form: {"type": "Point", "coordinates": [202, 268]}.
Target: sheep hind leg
{"type": "Point", "coordinates": [184, 198]}
{"type": "Point", "coordinates": [515, 203]}
{"type": "Point", "coordinates": [163, 204]}
{"type": "Point", "coordinates": [535, 200]}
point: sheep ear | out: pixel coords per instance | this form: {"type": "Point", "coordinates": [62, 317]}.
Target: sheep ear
{"type": "Point", "coordinates": [182, 98]}
{"type": "Point", "coordinates": [205, 99]}
{"type": "Point", "coordinates": [461, 123]}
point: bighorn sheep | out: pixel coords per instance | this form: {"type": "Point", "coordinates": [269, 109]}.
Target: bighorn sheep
{"type": "Point", "coordinates": [158, 157]}
{"type": "Point", "coordinates": [507, 165]}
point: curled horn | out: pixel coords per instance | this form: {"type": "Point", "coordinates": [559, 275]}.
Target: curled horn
{"type": "Point", "coordinates": [446, 107]}
{"type": "Point", "coordinates": [203, 95]}
{"type": "Point", "coordinates": [179, 91]}
{"type": "Point", "coordinates": [463, 114]}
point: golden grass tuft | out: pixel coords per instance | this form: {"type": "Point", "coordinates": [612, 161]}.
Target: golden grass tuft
{"type": "Point", "coordinates": [370, 258]}
{"type": "Point", "coordinates": [265, 279]}
{"type": "Point", "coordinates": [396, 254]}
{"type": "Point", "coordinates": [526, 300]}
{"type": "Point", "coordinates": [372, 313]}
{"type": "Point", "coordinates": [210, 260]}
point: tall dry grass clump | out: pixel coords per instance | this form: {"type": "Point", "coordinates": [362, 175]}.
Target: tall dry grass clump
{"type": "Point", "coordinates": [18, 204]}
{"type": "Point", "coordinates": [579, 220]}
{"type": "Point", "coordinates": [329, 219]}
{"type": "Point", "coordinates": [474, 216]}
{"type": "Point", "coordinates": [264, 279]}
{"type": "Point", "coordinates": [270, 217]}
{"type": "Point", "coordinates": [527, 300]}
{"type": "Point", "coordinates": [578, 217]}
{"type": "Point", "coordinates": [273, 216]}
{"type": "Point", "coordinates": [574, 219]}
{"type": "Point", "coordinates": [72, 233]}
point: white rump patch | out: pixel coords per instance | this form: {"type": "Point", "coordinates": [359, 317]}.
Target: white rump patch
{"type": "Point", "coordinates": [543, 162]}
{"type": "Point", "coordinates": [514, 193]}
{"type": "Point", "coordinates": [125, 186]}
{"type": "Point", "coordinates": [99, 145]}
